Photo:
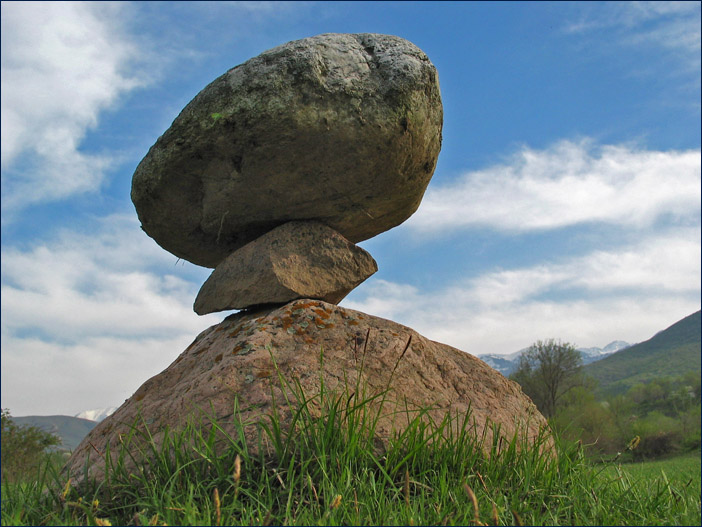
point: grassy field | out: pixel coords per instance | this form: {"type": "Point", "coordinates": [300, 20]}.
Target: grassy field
{"type": "Point", "coordinates": [681, 471]}
{"type": "Point", "coordinates": [329, 472]}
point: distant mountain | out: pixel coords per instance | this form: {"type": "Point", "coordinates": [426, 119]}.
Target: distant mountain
{"type": "Point", "coordinates": [500, 363]}
{"type": "Point", "coordinates": [594, 354]}
{"type": "Point", "coordinates": [507, 364]}
{"type": "Point", "coordinates": [98, 414]}
{"type": "Point", "coordinates": [673, 351]}
{"type": "Point", "coordinates": [71, 430]}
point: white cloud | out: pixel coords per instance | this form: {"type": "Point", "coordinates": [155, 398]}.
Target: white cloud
{"type": "Point", "coordinates": [669, 263]}
{"type": "Point", "coordinates": [62, 64]}
{"type": "Point", "coordinates": [97, 308]}
{"type": "Point", "coordinates": [626, 294]}
{"type": "Point", "coordinates": [42, 377]}
{"type": "Point", "coordinates": [567, 184]}
{"type": "Point", "coordinates": [633, 14]}
{"type": "Point", "coordinates": [107, 282]}
{"type": "Point", "coordinates": [672, 26]}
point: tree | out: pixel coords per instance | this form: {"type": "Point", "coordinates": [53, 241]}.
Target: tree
{"type": "Point", "coordinates": [547, 371]}
{"type": "Point", "coordinates": [22, 447]}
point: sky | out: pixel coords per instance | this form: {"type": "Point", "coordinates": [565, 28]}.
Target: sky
{"type": "Point", "coordinates": [565, 203]}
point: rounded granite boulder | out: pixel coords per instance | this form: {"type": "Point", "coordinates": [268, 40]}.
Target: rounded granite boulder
{"type": "Point", "coordinates": [344, 129]}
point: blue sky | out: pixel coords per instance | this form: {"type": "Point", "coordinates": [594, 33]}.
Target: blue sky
{"type": "Point", "coordinates": [565, 203]}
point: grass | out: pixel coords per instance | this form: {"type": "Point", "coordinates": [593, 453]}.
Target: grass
{"type": "Point", "coordinates": [329, 471]}
{"type": "Point", "coordinates": [682, 471]}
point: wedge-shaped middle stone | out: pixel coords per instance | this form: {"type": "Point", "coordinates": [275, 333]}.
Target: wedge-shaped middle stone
{"type": "Point", "coordinates": [299, 259]}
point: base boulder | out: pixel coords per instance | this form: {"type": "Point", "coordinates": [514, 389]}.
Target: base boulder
{"type": "Point", "coordinates": [310, 341]}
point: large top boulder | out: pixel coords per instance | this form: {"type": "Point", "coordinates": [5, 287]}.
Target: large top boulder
{"type": "Point", "coordinates": [340, 128]}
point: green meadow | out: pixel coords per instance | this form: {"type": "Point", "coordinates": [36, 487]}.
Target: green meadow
{"type": "Point", "coordinates": [328, 471]}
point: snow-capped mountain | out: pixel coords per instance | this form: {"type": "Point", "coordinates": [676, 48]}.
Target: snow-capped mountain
{"type": "Point", "coordinates": [500, 363]}
{"type": "Point", "coordinates": [506, 364]}
{"type": "Point", "coordinates": [599, 353]}
{"type": "Point", "coordinates": [98, 414]}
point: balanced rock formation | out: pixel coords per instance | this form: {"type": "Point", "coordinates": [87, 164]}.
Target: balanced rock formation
{"type": "Point", "coordinates": [270, 175]}
{"type": "Point", "coordinates": [310, 341]}
{"type": "Point", "coordinates": [299, 259]}
{"type": "Point", "coordinates": [340, 128]}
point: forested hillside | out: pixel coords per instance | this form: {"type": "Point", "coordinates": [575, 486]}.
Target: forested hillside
{"type": "Point", "coordinates": [672, 352]}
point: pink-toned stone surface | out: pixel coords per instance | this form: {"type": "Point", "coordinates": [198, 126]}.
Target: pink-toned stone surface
{"type": "Point", "coordinates": [238, 359]}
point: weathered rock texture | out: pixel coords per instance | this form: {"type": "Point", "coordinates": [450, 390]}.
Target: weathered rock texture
{"type": "Point", "coordinates": [241, 357]}
{"type": "Point", "coordinates": [341, 128]}
{"type": "Point", "coordinates": [299, 259]}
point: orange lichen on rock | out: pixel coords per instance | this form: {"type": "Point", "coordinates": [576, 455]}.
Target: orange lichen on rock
{"type": "Point", "coordinates": [308, 304]}
{"type": "Point", "coordinates": [322, 313]}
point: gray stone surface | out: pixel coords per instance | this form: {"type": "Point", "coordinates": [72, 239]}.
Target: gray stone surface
{"type": "Point", "coordinates": [299, 259]}
{"type": "Point", "coordinates": [243, 357]}
{"type": "Point", "coordinates": [341, 128]}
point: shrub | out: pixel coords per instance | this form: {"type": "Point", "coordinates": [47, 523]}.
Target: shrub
{"type": "Point", "coordinates": [23, 448]}
{"type": "Point", "coordinates": [690, 425]}
{"type": "Point", "coordinates": [660, 435]}
{"type": "Point", "coordinates": [591, 423]}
